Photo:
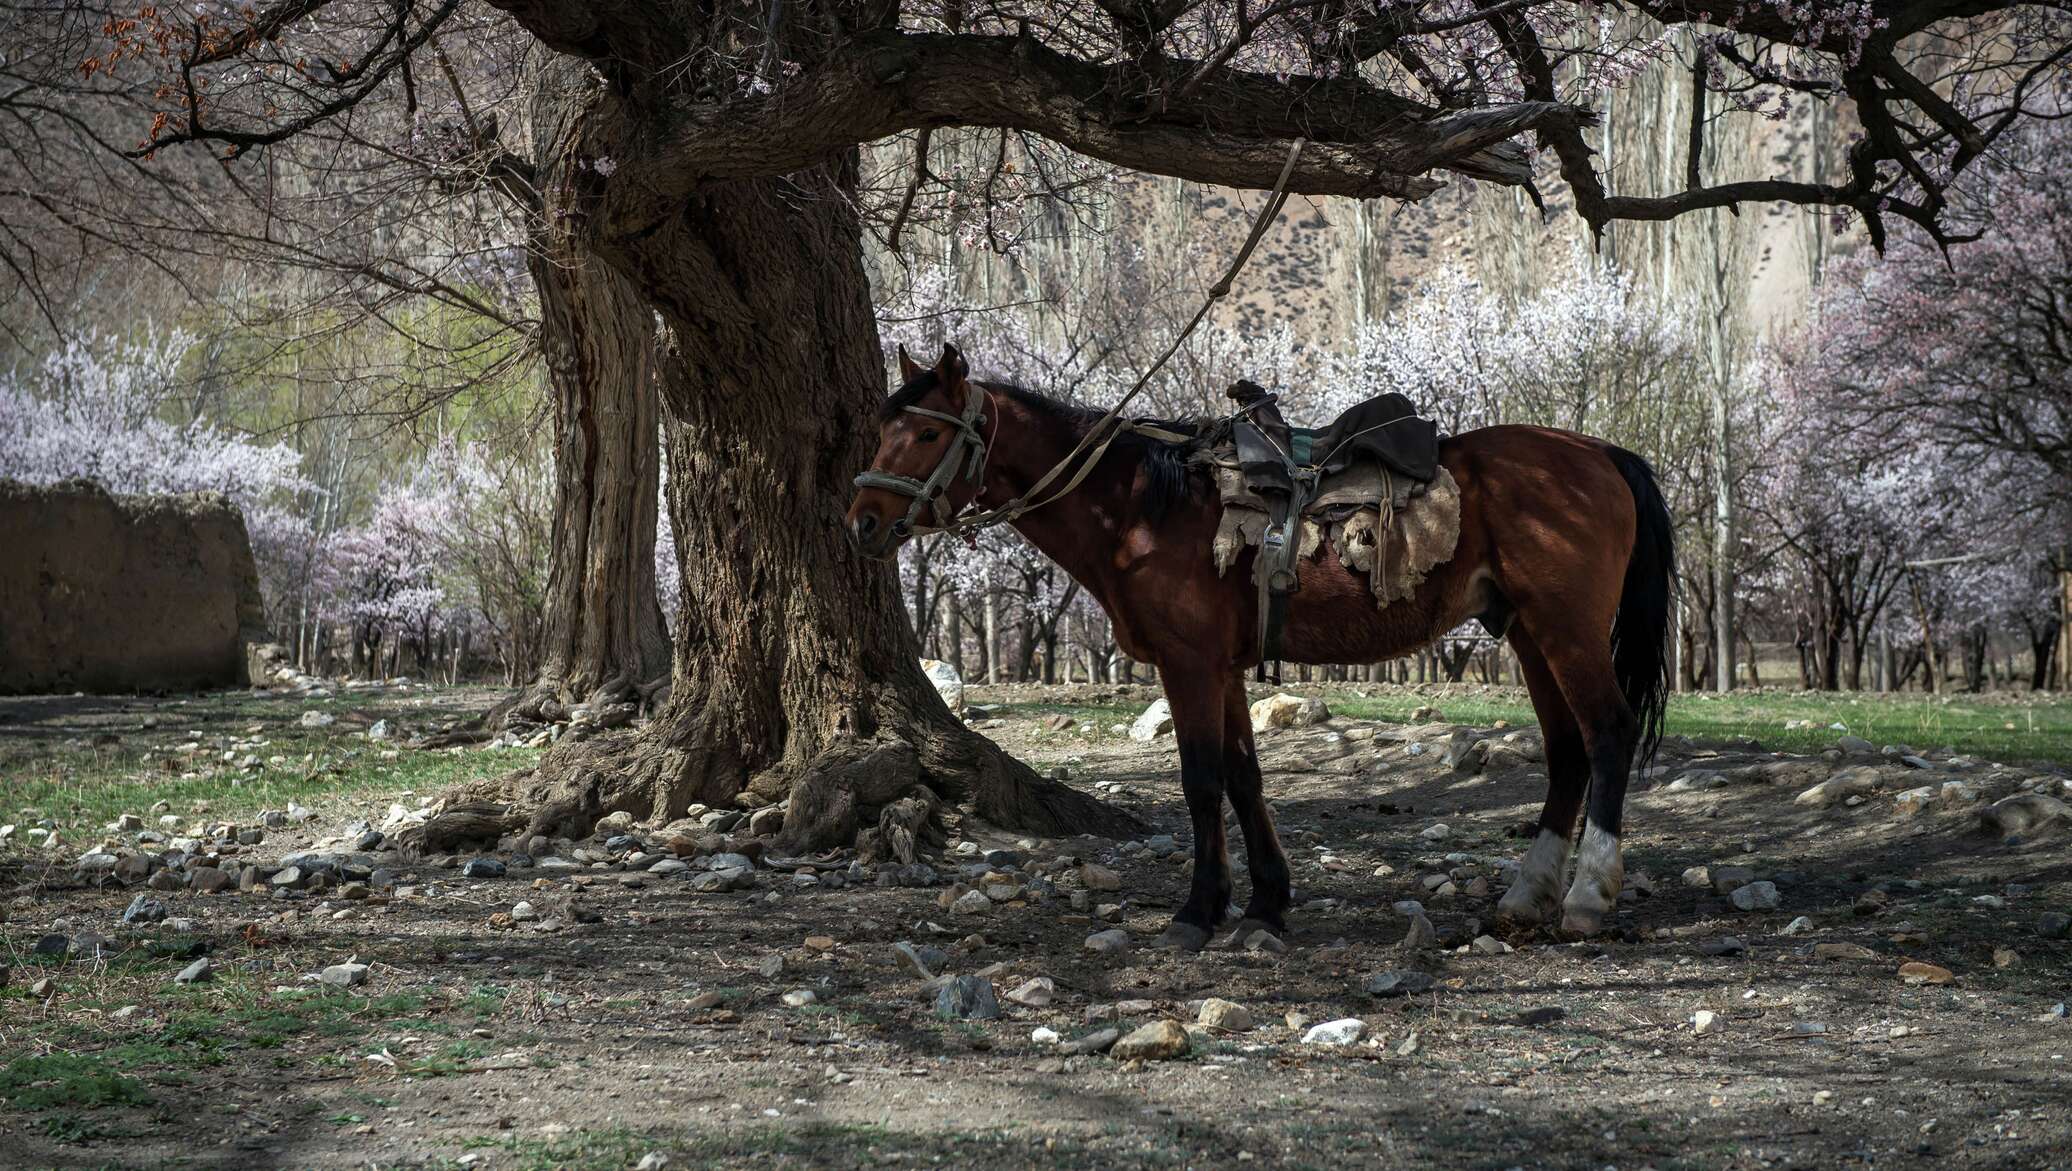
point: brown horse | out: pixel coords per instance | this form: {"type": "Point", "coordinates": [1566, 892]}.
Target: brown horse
{"type": "Point", "coordinates": [1565, 549]}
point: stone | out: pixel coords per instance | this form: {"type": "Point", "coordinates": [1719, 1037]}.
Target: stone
{"type": "Point", "coordinates": [1275, 711]}
{"type": "Point", "coordinates": [1157, 1041]}
{"type": "Point", "coordinates": [1153, 722]}
{"type": "Point", "coordinates": [44, 988]}
{"type": "Point", "coordinates": [1725, 945]}
{"type": "Point", "coordinates": [1420, 934]}
{"type": "Point", "coordinates": [1490, 945]}
{"type": "Point", "coordinates": [919, 961]}
{"type": "Point", "coordinates": [1265, 941]}
{"type": "Point", "coordinates": [2024, 813]}
{"type": "Point", "coordinates": [1705, 1022]}
{"type": "Point", "coordinates": [350, 974]}
{"type": "Point", "coordinates": [1098, 1041]}
{"type": "Point", "coordinates": [198, 972]}
{"type": "Point", "coordinates": [1095, 877]}
{"type": "Point", "coordinates": [1398, 982]}
{"type": "Point", "coordinates": [800, 998]}
{"type": "Point", "coordinates": [967, 998]}
{"type": "Point", "coordinates": [1856, 746]}
{"type": "Point", "coordinates": [948, 683]}
{"type": "Point", "coordinates": [2054, 925]}
{"type": "Point", "coordinates": [1727, 879]}
{"type": "Point", "coordinates": [482, 868]}
{"type": "Point", "coordinates": [317, 719]}
{"type": "Point", "coordinates": [1916, 972]}
{"type": "Point", "coordinates": [1347, 1031]}
{"type": "Point", "coordinates": [1799, 926]}
{"type": "Point", "coordinates": [1114, 941]}
{"type": "Point", "coordinates": [766, 822]}
{"type": "Point", "coordinates": [143, 911]}
{"type": "Point", "coordinates": [1756, 896]}
{"type": "Point", "coordinates": [288, 878]}
{"type": "Point", "coordinates": [1034, 993]}
{"type": "Point", "coordinates": [1436, 833]}
{"type": "Point", "coordinates": [971, 902]}
{"type": "Point", "coordinates": [1224, 1016]}
{"type": "Point", "coordinates": [1859, 781]}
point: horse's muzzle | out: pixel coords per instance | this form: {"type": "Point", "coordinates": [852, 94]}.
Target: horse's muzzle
{"type": "Point", "coordinates": [873, 539]}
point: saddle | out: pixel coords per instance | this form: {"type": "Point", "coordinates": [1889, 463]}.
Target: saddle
{"type": "Point", "coordinates": [1371, 475]}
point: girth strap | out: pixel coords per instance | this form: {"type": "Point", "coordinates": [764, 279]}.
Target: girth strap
{"type": "Point", "coordinates": [1279, 551]}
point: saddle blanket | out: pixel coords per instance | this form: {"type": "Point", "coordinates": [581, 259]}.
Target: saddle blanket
{"type": "Point", "coordinates": [1380, 524]}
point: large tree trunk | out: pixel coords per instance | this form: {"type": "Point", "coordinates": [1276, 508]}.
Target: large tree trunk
{"type": "Point", "coordinates": [604, 644]}
{"type": "Point", "coordinates": [796, 671]}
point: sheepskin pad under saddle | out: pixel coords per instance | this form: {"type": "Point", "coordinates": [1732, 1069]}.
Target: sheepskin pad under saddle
{"type": "Point", "coordinates": [1369, 485]}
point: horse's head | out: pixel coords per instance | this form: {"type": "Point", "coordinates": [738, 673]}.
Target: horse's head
{"type": "Point", "coordinates": [931, 456]}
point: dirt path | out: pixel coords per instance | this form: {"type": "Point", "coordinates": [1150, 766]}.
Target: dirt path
{"type": "Point", "coordinates": [632, 1016]}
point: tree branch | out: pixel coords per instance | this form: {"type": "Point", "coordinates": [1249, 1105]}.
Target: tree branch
{"type": "Point", "coordinates": [1365, 141]}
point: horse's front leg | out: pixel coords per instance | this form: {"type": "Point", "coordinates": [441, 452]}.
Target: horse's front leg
{"type": "Point", "coordinates": [1271, 894]}
{"type": "Point", "coordinates": [1196, 698]}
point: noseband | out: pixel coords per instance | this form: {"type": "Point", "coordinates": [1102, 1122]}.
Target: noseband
{"type": "Point", "coordinates": [928, 493]}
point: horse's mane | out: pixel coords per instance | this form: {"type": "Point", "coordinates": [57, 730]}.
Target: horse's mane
{"type": "Point", "coordinates": [1168, 480]}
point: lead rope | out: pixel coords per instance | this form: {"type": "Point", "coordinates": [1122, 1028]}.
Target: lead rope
{"type": "Point", "coordinates": [1024, 504]}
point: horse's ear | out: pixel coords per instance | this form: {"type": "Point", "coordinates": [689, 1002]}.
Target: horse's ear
{"type": "Point", "coordinates": [908, 368]}
{"type": "Point", "coordinates": [952, 368]}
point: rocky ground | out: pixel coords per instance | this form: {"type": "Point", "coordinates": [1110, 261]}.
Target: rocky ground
{"type": "Point", "coordinates": [1854, 957]}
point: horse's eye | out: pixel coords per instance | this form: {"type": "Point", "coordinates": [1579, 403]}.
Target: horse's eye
{"type": "Point", "coordinates": [930, 435]}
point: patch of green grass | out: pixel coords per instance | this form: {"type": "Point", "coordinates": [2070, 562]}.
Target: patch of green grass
{"type": "Point", "coordinates": [2041, 728]}
{"type": "Point", "coordinates": [60, 772]}
{"type": "Point", "coordinates": [76, 1081]}
{"type": "Point", "coordinates": [487, 1000]}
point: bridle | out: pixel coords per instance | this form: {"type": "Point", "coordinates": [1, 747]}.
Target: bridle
{"type": "Point", "coordinates": [928, 493]}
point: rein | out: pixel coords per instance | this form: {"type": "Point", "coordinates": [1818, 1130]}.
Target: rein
{"type": "Point", "coordinates": [926, 493]}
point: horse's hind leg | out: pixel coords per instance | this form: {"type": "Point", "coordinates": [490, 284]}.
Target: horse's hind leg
{"type": "Point", "coordinates": [1268, 866]}
{"type": "Point", "coordinates": [1610, 731]}
{"type": "Point", "coordinates": [1536, 893]}
{"type": "Point", "coordinates": [1196, 697]}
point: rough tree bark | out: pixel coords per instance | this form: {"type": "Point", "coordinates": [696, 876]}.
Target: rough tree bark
{"type": "Point", "coordinates": [605, 645]}
{"type": "Point", "coordinates": [796, 672]}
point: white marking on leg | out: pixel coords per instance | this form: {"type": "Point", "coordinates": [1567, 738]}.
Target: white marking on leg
{"type": "Point", "coordinates": [1537, 890]}
{"type": "Point", "coordinates": [1599, 875]}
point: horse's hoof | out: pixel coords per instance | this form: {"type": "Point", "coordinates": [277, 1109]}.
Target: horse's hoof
{"type": "Point", "coordinates": [1581, 922]}
{"type": "Point", "coordinates": [1241, 936]}
{"type": "Point", "coordinates": [1183, 937]}
{"type": "Point", "coordinates": [1525, 910]}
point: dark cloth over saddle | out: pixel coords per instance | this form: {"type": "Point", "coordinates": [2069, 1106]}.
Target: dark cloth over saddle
{"type": "Point", "coordinates": [1284, 467]}
{"type": "Point", "coordinates": [1385, 429]}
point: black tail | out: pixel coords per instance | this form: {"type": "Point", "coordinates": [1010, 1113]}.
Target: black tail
{"type": "Point", "coordinates": [1640, 631]}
